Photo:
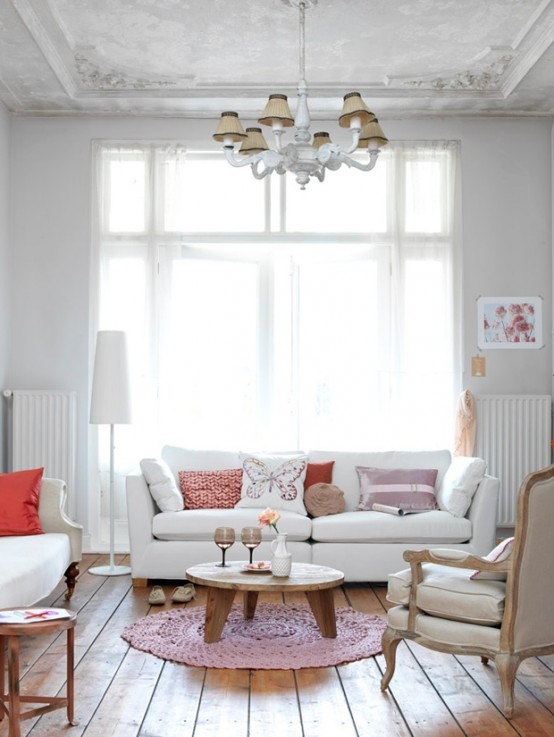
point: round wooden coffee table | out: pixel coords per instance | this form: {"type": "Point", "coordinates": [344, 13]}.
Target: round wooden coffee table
{"type": "Point", "coordinates": [316, 582]}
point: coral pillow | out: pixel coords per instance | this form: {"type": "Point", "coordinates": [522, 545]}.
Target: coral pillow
{"type": "Point", "coordinates": [318, 473]}
{"type": "Point", "coordinates": [211, 489]}
{"type": "Point", "coordinates": [19, 495]}
{"type": "Point", "coordinates": [410, 489]}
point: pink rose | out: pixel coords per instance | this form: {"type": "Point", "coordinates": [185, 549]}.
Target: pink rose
{"type": "Point", "coordinates": [269, 517]}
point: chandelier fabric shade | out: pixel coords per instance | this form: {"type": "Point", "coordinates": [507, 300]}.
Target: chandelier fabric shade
{"type": "Point", "coordinates": [355, 113]}
{"type": "Point", "coordinates": [254, 142]}
{"type": "Point", "coordinates": [307, 156]}
{"type": "Point", "coordinates": [229, 129]}
{"type": "Point", "coordinates": [372, 135]}
{"type": "Point", "coordinates": [277, 112]}
{"type": "Point", "coordinates": [320, 138]}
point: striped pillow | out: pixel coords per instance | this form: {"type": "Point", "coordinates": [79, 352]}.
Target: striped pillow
{"type": "Point", "coordinates": [409, 489]}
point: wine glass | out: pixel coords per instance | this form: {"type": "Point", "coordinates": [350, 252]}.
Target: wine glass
{"type": "Point", "coordinates": [251, 537]}
{"type": "Point", "coordinates": [224, 537]}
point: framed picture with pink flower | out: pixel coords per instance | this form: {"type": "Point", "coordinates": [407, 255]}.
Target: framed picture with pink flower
{"type": "Point", "coordinates": [509, 322]}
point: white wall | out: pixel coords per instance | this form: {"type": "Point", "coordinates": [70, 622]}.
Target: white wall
{"type": "Point", "coordinates": [506, 236]}
{"type": "Point", "coordinates": [4, 267]}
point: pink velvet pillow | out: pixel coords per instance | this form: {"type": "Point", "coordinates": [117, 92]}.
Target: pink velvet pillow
{"type": "Point", "coordinates": [211, 489]}
{"type": "Point", "coordinates": [410, 489]}
{"type": "Point", "coordinates": [19, 495]}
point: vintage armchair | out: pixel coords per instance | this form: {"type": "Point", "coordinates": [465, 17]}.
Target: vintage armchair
{"type": "Point", "coordinates": [443, 605]}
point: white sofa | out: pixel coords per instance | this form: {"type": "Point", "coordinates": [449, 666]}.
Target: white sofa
{"type": "Point", "coordinates": [32, 565]}
{"type": "Point", "coordinates": [365, 545]}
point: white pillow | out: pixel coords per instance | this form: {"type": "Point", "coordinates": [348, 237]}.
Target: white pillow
{"type": "Point", "coordinates": [459, 484]}
{"type": "Point", "coordinates": [273, 480]}
{"type": "Point", "coordinates": [502, 551]}
{"type": "Point", "coordinates": [162, 485]}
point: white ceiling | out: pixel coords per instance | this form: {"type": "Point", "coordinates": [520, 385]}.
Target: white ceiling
{"type": "Point", "coordinates": [199, 57]}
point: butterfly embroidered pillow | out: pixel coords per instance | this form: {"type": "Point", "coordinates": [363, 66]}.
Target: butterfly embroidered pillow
{"type": "Point", "coordinates": [273, 480]}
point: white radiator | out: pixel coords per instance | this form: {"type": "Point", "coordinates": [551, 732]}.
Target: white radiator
{"type": "Point", "coordinates": [513, 437]}
{"type": "Point", "coordinates": [43, 433]}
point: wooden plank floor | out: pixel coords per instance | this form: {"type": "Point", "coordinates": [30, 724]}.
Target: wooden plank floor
{"type": "Point", "coordinates": [122, 692]}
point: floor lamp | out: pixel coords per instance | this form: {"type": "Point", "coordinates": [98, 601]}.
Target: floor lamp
{"type": "Point", "coordinates": [111, 405]}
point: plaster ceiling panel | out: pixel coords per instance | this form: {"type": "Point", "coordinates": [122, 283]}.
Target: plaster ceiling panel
{"type": "Point", "coordinates": [197, 57]}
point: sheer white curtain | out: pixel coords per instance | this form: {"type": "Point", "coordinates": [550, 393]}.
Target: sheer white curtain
{"type": "Point", "coordinates": [261, 316]}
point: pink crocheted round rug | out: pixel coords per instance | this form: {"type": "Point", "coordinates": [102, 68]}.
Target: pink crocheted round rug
{"type": "Point", "coordinates": [281, 636]}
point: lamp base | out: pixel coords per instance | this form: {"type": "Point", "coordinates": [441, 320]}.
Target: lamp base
{"type": "Point", "coordinates": [110, 570]}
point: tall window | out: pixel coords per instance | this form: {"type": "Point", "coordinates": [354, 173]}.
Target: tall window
{"type": "Point", "coordinates": [262, 316]}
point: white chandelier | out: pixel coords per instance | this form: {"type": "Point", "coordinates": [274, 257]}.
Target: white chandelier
{"type": "Point", "coordinates": [304, 157]}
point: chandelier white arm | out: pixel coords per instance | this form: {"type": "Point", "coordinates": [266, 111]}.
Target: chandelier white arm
{"type": "Point", "coordinates": [304, 157]}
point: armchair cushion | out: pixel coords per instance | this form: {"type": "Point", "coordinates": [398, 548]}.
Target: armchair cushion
{"type": "Point", "coordinates": [446, 631]}
{"type": "Point", "coordinates": [450, 593]}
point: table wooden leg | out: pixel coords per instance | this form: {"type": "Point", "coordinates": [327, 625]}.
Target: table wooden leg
{"type": "Point", "coordinates": [218, 606]}
{"type": "Point", "coordinates": [13, 686]}
{"type": "Point", "coordinates": [70, 676]}
{"type": "Point", "coordinates": [322, 604]}
{"type": "Point", "coordinates": [3, 694]}
{"type": "Point", "coordinates": [249, 601]}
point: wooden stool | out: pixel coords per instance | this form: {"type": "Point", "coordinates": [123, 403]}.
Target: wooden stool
{"type": "Point", "coordinates": [12, 633]}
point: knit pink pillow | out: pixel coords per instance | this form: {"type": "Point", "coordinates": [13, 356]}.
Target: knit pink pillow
{"type": "Point", "coordinates": [211, 489]}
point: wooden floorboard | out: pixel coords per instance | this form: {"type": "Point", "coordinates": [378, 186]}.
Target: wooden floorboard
{"type": "Point", "coordinates": [122, 692]}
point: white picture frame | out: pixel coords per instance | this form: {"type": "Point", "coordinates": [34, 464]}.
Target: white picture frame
{"type": "Point", "coordinates": [509, 323]}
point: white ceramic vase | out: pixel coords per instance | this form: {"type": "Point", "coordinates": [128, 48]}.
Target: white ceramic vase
{"type": "Point", "coordinates": [281, 559]}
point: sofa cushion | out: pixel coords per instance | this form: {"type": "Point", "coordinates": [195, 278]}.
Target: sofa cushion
{"type": "Point", "coordinates": [460, 484]}
{"type": "Point", "coordinates": [273, 480]}
{"type": "Point", "coordinates": [19, 497]}
{"type": "Point", "coordinates": [409, 489]}
{"type": "Point", "coordinates": [189, 459]}
{"type": "Point", "coordinates": [211, 489]}
{"type": "Point", "coordinates": [362, 527]}
{"type": "Point", "coordinates": [161, 483]}
{"type": "Point", "coordinates": [200, 524]}
{"type": "Point", "coordinates": [450, 593]}
{"type": "Point", "coordinates": [322, 499]}
{"type": "Point", "coordinates": [346, 478]}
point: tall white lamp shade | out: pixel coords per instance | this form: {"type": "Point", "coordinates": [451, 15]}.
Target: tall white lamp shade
{"type": "Point", "coordinates": [111, 405]}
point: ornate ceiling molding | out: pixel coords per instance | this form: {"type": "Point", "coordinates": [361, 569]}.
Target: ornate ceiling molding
{"type": "Point", "coordinates": [164, 56]}
{"type": "Point", "coordinates": [93, 78]}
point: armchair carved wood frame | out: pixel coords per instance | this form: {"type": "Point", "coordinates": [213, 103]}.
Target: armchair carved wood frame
{"type": "Point", "coordinates": [526, 625]}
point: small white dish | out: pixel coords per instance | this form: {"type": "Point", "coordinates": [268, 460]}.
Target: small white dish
{"type": "Point", "coordinates": [260, 567]}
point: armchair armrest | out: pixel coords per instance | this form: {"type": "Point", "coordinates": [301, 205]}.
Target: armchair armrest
{"type": "Point", "coordinates": [52, 499]}
{"type": "Point", "coordinates": [449, 558]}
{"type": "Point", "coordinates": [455, 559]}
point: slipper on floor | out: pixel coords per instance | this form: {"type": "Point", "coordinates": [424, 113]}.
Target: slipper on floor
{"type": "Point", "coordinates": [182, 594]}
{"type": "Point", "coordinates": [157, 596]}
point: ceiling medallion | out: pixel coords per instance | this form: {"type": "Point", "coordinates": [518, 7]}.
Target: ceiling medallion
{"type": "Point", "coordinates": [307, 156]}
